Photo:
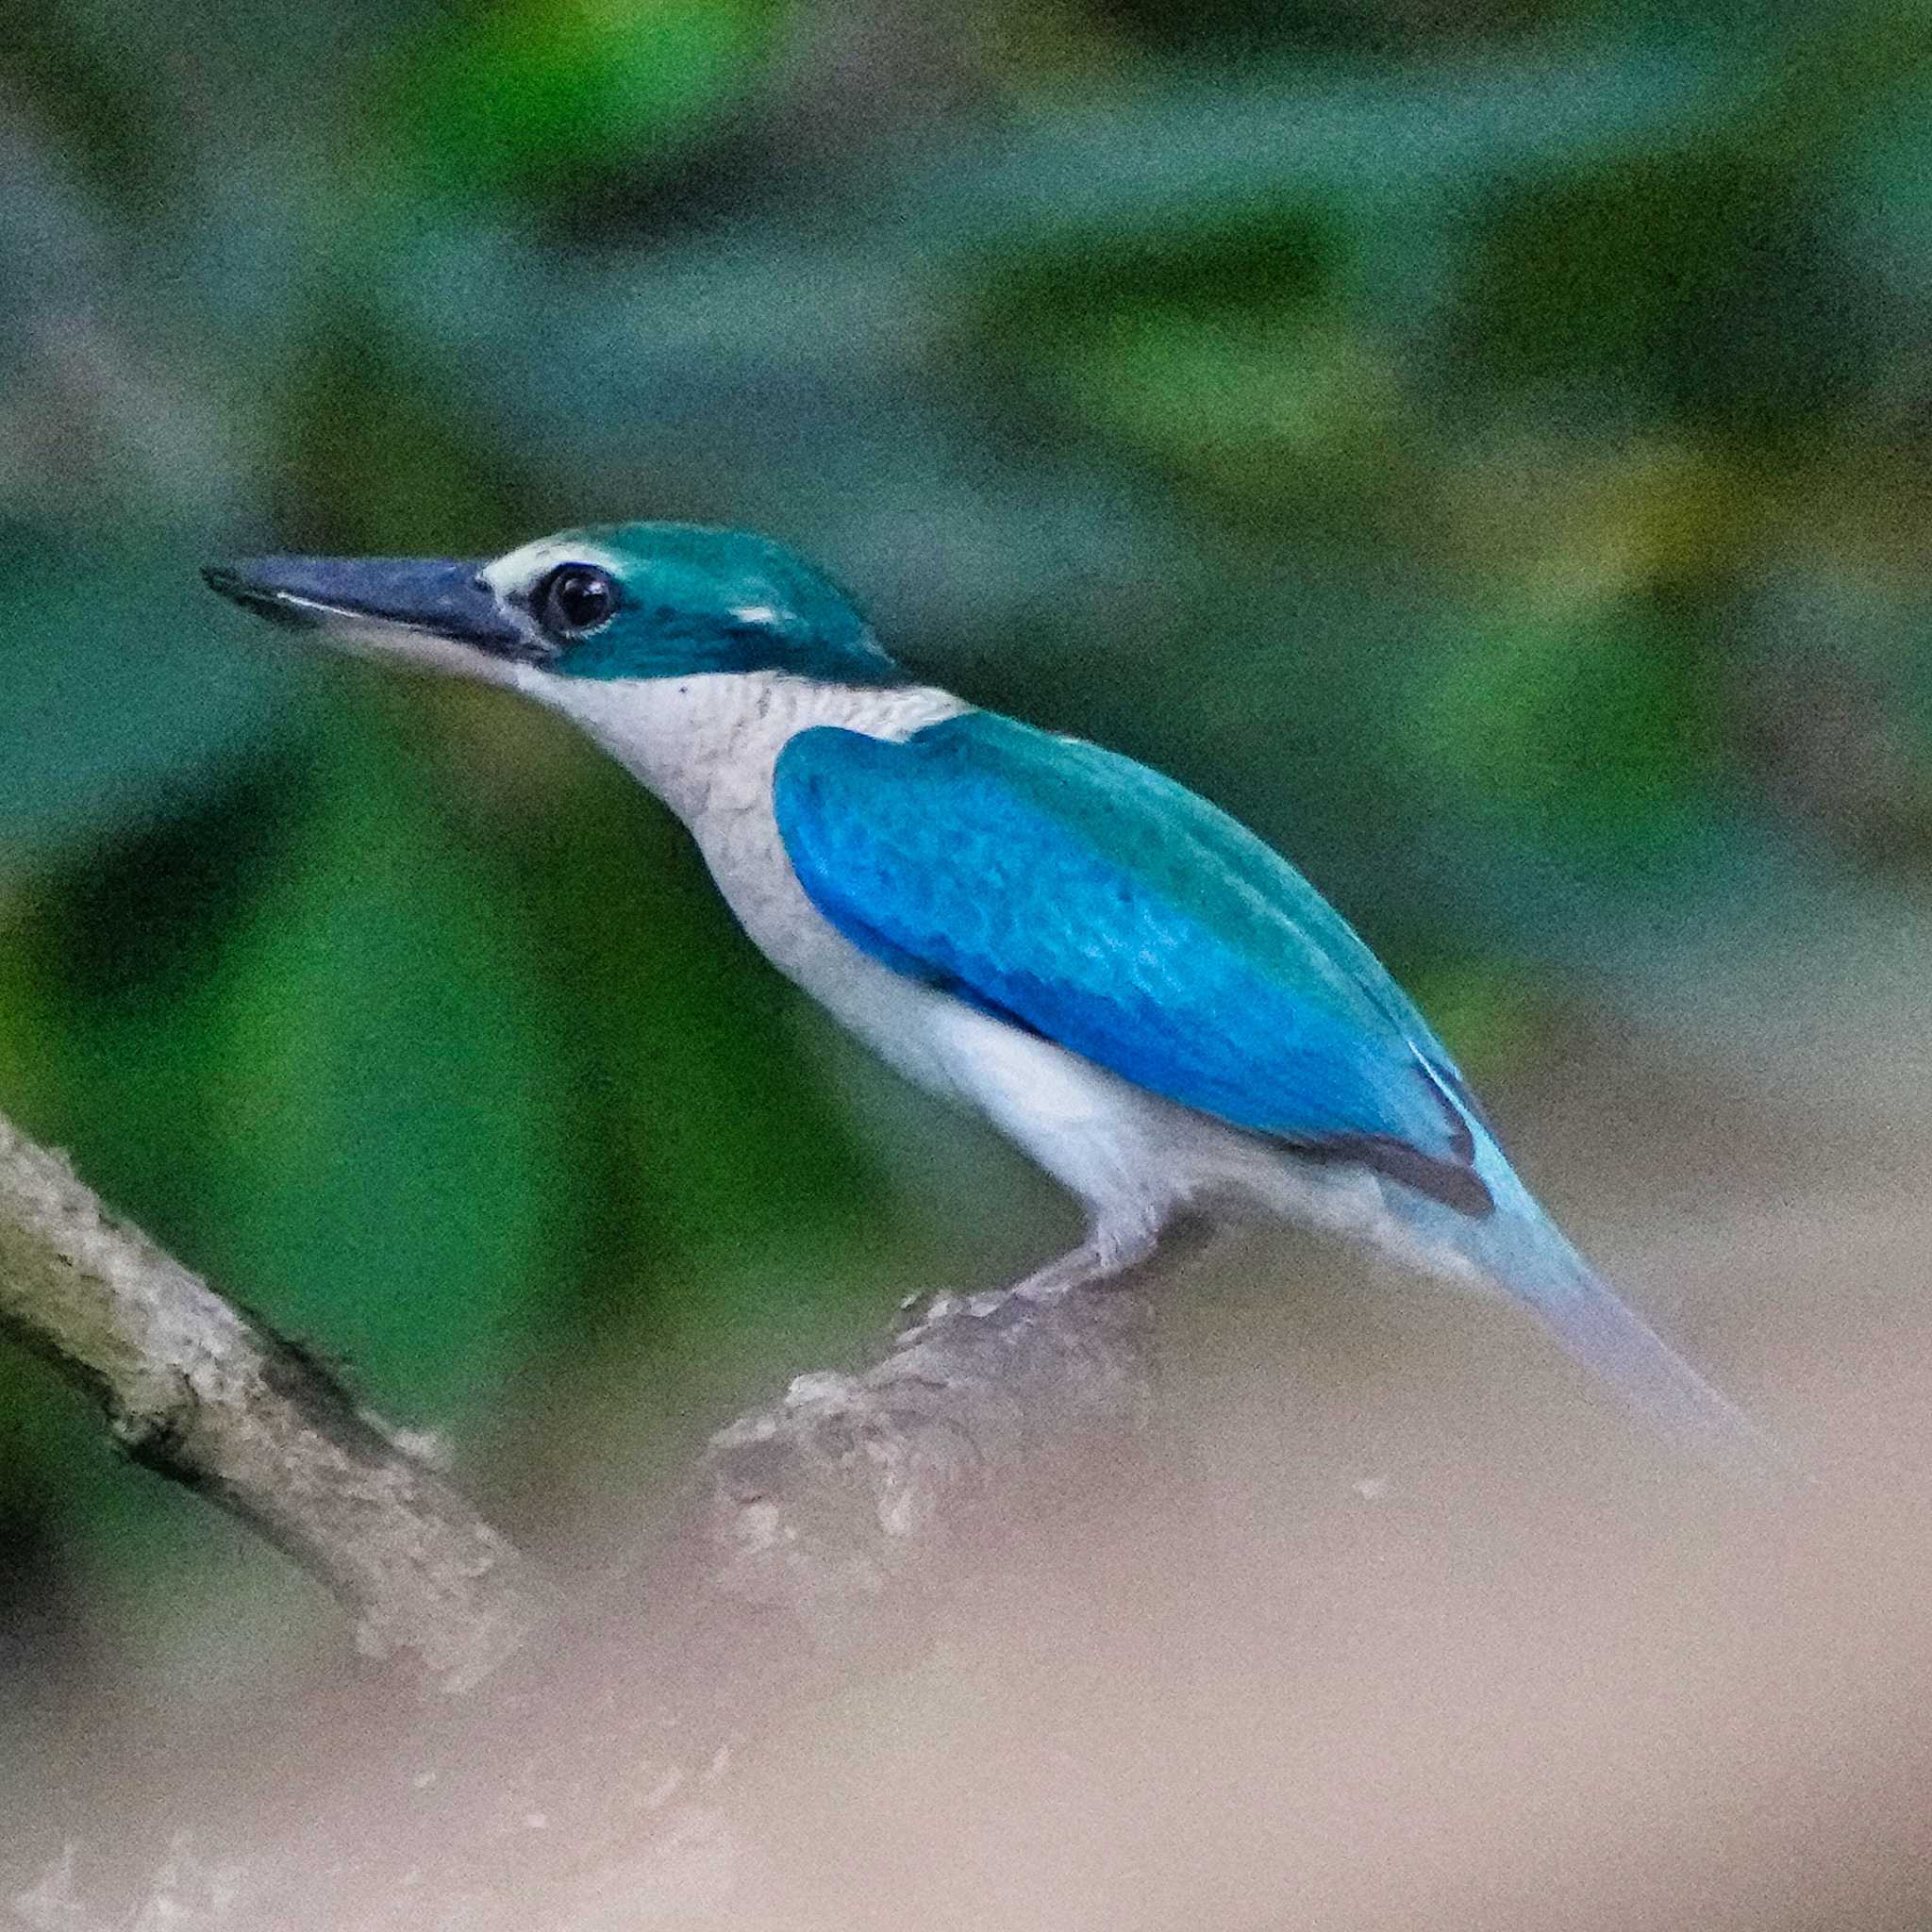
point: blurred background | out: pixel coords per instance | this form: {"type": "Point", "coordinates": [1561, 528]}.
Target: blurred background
{"type": "Point", "coordinates": [1486, 447]}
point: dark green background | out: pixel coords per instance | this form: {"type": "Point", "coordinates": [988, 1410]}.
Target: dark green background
{"type": "Point", "coordinates": [1484, 445]}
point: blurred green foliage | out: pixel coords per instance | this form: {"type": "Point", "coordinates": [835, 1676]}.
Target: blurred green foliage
{"type": "Point", "coordinates": [543, 101]}
{"type": "Point", "coordinates": [1486, 447]}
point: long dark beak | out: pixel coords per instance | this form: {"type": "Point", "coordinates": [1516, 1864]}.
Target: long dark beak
{"type": "Point", "coordinates": [430, 597]}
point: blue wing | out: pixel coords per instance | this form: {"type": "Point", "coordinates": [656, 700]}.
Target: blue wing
{"type": "Point", "coordinates": [1094, 902]}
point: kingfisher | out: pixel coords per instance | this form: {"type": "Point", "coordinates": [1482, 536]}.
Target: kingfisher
{"type": "Point", "coordinates": [1152, 1003]}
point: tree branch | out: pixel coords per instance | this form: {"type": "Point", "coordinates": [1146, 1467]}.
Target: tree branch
{"type": "Point", "coordinates": [820, 1498]}
{"type": "Point", "coordinates": [602, 1776]}
{"type": "Point", "coordinates": [832, 1526]}
{"type": "Point", "coordinates": [204, 1394]}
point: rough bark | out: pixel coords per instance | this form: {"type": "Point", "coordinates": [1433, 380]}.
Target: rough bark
{"type": "Point", "coordinates": [198, 1391]}
{"type": "Point", "coordinates": [831, 1492]}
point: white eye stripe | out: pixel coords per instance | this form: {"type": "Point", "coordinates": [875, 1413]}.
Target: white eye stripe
{"type": "Point", "coordinates": [516, 577]}
{"type": "Point", "coordinates": [755, 613]}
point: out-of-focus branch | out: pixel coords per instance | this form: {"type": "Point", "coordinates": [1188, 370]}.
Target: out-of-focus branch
{"type": "Point", "coordinates": [199, 1392]}
{"type": "Point", "coordinates": [835, 1529]}
{"type": "Point", "coordinates": [825, 1527]}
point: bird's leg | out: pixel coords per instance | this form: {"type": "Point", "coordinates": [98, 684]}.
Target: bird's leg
{"type": "Point", "coordinates": [1105, 1254]}
{"type": "Point", "coordinates": [1116, 1256]}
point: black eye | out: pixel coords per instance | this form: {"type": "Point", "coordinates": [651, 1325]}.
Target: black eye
{"type": "Point", "coordinates": [574, 597]}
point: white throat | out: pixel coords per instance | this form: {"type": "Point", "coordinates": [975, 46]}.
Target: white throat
{"type": "Point", "coordinates": [707, 746]}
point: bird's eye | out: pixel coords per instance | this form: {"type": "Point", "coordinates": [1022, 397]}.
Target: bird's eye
{"type": "Point", "coordinates": [576, 597]}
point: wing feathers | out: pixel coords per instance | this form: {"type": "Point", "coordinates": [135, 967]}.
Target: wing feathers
{"type": "Point", "coordinates": [1090, 900]}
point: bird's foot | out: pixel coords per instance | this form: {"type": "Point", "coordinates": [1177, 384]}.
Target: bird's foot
{"type": "Point", "coordinates": [1096, 1259]}
{"type": "Point", "coordinates": [1104, 1260]}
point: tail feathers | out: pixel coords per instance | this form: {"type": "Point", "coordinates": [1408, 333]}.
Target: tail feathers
{"type": "Point", "coordinates": [1607, 1338]}
{"type": "Point", "coordinates": [1520, 1249]}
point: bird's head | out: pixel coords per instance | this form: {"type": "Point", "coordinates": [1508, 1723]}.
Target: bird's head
{"type": "Point", "coordinates": [620, 601]}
